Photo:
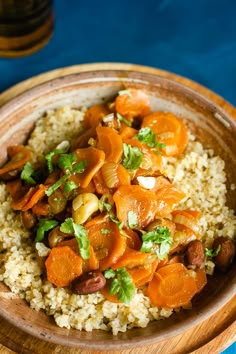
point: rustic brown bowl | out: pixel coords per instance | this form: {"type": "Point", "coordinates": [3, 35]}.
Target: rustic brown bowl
{"type": "Point", "coordinates": [211, 125]}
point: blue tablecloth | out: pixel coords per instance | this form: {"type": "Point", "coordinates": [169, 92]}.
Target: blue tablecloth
{"type": "Point", "coordinates": [195, 39]}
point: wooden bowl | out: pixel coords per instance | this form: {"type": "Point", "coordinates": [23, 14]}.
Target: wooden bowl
{"type": "Point", "coordinates": [213, 127]}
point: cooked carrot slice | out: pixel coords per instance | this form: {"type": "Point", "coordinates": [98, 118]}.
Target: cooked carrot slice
{"type": "Point", "coordinates": [62, 266]}
{"type": "Point", "coordinates": [94, 158]}
{"type": "Point", "coordinates": [134, 103]}
{"type": "Point", "coordinates": [32, 197]}
{"type": "Point", "coordinates": [41, 208]}
{"type": "Point", "coordinates": [133, 240]}
{"type": "Point", "coordinates": [143, 275]}
{"type": "Point", "coordinates": [169, 130]}
{"type": "Point", "coordinates": [172, 286]}
{"type": "Point", "coordinates": [127, 132]}
{"type": "Point", "coordinates": [82, 140]}
{"type": "Point", "coordinates": [19, 155]}
{"type": "Point", "coordinates": [16, 189]}
{"type": "Point", "coordinates": [94, 115]}
{"type": "Point", "coordinates": [168, 197]}
{"type": "Point", "coordinates": [130, 259]}
{"type": "Point", "coordinates": [110, 142]}
{"type": "Point", "coordinates": [139, 201]}
{"type": "Point", "coordinates": [107, 241]}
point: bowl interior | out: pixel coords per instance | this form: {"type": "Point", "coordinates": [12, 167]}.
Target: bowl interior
{"type": "Point", "coordinates": [207, 121]}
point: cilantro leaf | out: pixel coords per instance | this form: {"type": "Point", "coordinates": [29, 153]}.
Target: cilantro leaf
{"type": "Point", "coordinates": [122, 284]}
{"type": "Point", "coordinates": [147, 136]}
{"type": "Point", "coordinates": [65, 161]}
{"type": "Point", "coordinates": [49, 158]}
{"type": "Point", "coordinates": [79, 167]}
{"type": "Point", "coordinates": [158, 240]}
{"type": "Point", "coordinates": [109, 273]}
{"type": "Point", "coordinates": [133, 157]}
{"type": "Point", "coordinates": [211, 252]}
{"type": "Point", "coordinates": [132, 219]}
{"type": "Point", "coordinates": [111, 215]}
{"type": "Point", "coordinates": [56, 185]}
{"type": "Point", "coordinates": [80, 233]}
{"type": "Point", "coordinates": [70, 186]}
{"type": "Point", "coordinates": [122, 119]}
{"type": "Point", "coordinates": [27, 173]}
{"type": "Point", "coordinates": [43, 226]}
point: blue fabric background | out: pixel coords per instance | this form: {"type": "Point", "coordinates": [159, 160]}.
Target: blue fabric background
{"type": "Point", "coordinates": [195, 39]}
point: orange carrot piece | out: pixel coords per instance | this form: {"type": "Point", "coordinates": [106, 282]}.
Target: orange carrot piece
{"type": "Point", "coordinates": [187, 218]}
{"type": "Point", "coordinates": [94, 158]}
{"type": "Point", "coordinates": [82, 140]}
{"type": "Point", "coordinates": [172, 286]}
{"type": "Point", "coordinates": [133, 104]}
{"type": "Point", "coordinates": [94, 115]}
{"type": "Point", "coordinates": [19, 155]}
{"type": "Point", "coordinates": [110, 142]}
{"type": "Point", "coordinates": [41, 208]}
{"type": "Point", "coordinates": [168, 197]}
{"type": "Point", "coordinates": [130, 259]}
{"type": "Point", "coordinates": [138, 200]}
{"type": "Point", "coordinates": [132, 239]}
{"type": "Point", "coordinates": [62, 266]}
{"type": "Point", "coordinates": [109, 245]}
{"type": "Point", "coordinates": [127, 132]}
{"type": "Point", "coordinates": [143, 275]}
{"type": "Point", "coordinates": [38, 194]}
{"type": "Point", "coordinates": [169, 130]}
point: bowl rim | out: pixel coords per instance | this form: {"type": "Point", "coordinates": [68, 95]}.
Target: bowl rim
{"type": "Point", "coordinates": [133, 77]}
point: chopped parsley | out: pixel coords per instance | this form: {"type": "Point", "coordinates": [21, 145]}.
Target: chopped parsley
{"type": "Point", "coordinates": [158, 240]}
{"type": "Point", "coordinates": [49, 158]}
{"type": "Point", "coordinates": [122, 284]}
{"type": "Point", "coordinates": [27, 174]}
{"type": "Point", "coordinates": [43, 226]}
{"type": "Point", "coordinates": [147, 136]}
{"type": "Point", "coordinates": [211, 252]}
{"type": "Point", "coordinates": [80, 233]}
{"type": "Point", "coordinates": [133, 157]}
{"type": "Point", "coordinates": [105, 231]}
{"type": "Point", "coordinates": [111, 215]}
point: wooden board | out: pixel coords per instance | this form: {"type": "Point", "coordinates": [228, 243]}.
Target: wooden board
{"type": "Point", "coordinates": [211, 336]}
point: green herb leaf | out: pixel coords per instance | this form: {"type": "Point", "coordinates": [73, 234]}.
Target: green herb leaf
{"type": "Point", "coordinates": [211, 252]}
{"type": "Point", "coordinates": [65, 161]}
{"type": "Point", "coordinates": [105, 231]}
{"type": "Point", "coordinates": [132, 219]}
{"type": "Point", "coordinates": [49, 158]}
{"type": "Point", "coordinates": [109, 273]}
{"type": "Point", "coordinates": [122, 284]}
{"type": "Point", "coordinates": [122, 119]}
{"type": "Point", "coordinates": [147, 136]}
{"type": "Point", "coordinates": [27, 173]}
{"type": "Point", "coordinates": [70, 186]}
{"type": "Point", "coordinates": [160, 236]}
{"type": "Point", "coordinates": [79, 167]}
{"type": "Point", "coordinates": [112, 216]}
{"type": "Point", "coordinates": [56, 185]}
{"type": "Point", "coordinates": [125, 92]}
{"type": "Point", "coordinates": [43, 226]}
{"type": "Point", "coordinates": [133, 157]}
{"type": "Point", "coordinates": [80, 233]}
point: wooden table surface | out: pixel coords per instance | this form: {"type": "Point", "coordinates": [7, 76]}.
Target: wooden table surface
{"type": "Point", "coordinates": [211, 336]}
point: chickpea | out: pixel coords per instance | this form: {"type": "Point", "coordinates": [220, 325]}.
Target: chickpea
{"type": "Point", "coordinates": [83, 206]}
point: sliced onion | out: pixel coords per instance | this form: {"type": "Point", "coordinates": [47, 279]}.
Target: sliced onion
{"type": "Point", "coordinates": [184, 220]}
{"type": "Point", "coordinates": [109, 173]}
{"type": "Point", "coordinates": [146, 182]}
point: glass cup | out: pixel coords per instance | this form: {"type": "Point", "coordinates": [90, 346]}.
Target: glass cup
{"type": "Point", "coordinates": [25, 26]}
